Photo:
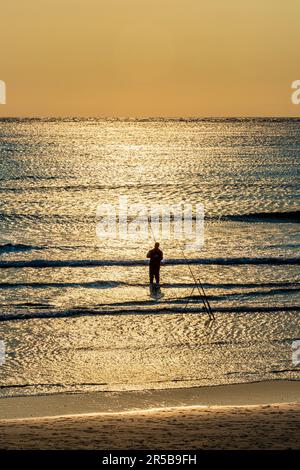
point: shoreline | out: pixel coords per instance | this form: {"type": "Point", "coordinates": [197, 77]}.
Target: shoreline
{"type": "Point", "coordinates": [257, 427]}
{"type": "Point", "coordinates": [251, 416]}
{"type": "Point", "coordinates": [106, 403]}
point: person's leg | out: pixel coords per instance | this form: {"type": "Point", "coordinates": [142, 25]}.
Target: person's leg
{"type": "Point", "coordinates": [151, 274]}
{"type": "Point", "coordinates": [157, 275]}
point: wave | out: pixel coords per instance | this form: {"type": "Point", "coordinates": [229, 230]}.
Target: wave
{"type": "Point", "coordinates": [86, 263]}
{"type": "Point", "coordinates": [20, 247]}
{"type": "Point", "coordinates": [287, 217]}
{"type": "Point", "coordinates": [17, 247]}
{"type": "Point", "coordinates": [78, 187]}
{"type": "Point", "coordinates": [81, 312]}
{"type": "Point", "coordinates": [31, 177]}
{"type": "Point", "coordinates": [60, 285]}
{"type": "Point", "coordinates": [270, 217]}
{"type": "Point", "coordinates": [110, 284]}
{"type": "Point", "coordinates": [174, 301]}
{"type": "Point", "coordinates": [197, 298]}
{"type": "Point", "coordinates": [46, 218]}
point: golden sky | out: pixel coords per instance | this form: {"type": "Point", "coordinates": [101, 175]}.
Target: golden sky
{"type": "Point", "coordinates": [149, 57]}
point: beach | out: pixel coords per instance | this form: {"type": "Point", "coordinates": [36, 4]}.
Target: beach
{"type": "Point", "coordinates": [248, 416]}
{"type": "Point", "coordinates": [90, 360]}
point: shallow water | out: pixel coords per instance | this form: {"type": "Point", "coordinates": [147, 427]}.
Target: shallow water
{"type": "Point", "coordinates": [75, 310]}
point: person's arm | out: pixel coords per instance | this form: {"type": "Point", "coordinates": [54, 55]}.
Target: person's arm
{"type": "Point", "coordinates": [149, 254]}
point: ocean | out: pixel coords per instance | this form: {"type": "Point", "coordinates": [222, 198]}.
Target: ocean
{"type": "Point", "coordinates": [75, 310]}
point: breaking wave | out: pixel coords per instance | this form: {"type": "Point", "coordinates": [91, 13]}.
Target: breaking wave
{"type": "Point", "coordinates": [81, 312]}
{"type": "Point", "coordinates": [44, 263]}
{"type": "Point", "coordinates": [17, 247]}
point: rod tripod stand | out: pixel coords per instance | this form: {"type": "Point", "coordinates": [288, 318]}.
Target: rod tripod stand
{"type": "Point", "coordinates": [199, 286]}
{"type": "Point", "coordinates": [206, 305]}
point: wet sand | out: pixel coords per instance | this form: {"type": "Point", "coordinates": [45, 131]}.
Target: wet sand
{"type": "Point", "coordinates": [218, 424]}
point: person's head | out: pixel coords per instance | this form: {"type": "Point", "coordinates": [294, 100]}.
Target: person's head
{"type": "Point", "coordinates": [156, 245]}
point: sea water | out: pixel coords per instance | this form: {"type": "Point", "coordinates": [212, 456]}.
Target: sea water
{"type": "Point", "coordinates": [75, 310]}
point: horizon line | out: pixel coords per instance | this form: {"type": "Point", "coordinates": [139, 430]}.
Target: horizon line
{"type": "Point", "coordinates": [149, 117]}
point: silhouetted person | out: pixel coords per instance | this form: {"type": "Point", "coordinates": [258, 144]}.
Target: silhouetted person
{"type": "Point", "coordinates": [155, 255]}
